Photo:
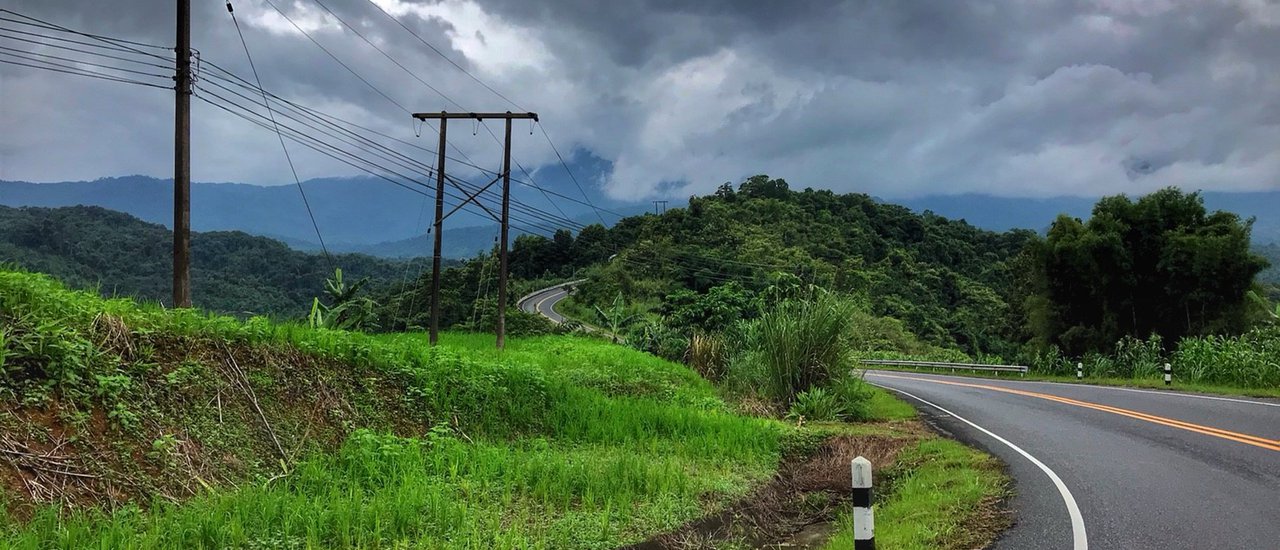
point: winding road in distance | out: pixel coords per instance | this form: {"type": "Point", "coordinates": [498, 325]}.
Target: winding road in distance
{"type": "Point", "coordinates": [1105, 467]}
{"type": "Point", "coordinates": [543, 301]}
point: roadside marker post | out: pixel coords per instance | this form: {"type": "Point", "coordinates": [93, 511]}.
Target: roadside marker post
{"type": "Point", "coordinates": [1079, 371]}
{"type": "Point", "coordinates": [864, 522]}
{"type": "Point", "coordinates": [1168, 374]}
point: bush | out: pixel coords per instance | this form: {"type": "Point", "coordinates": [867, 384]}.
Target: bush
{"type": "Point", "coordinates": [854, 396]}
{"type": "Point", "coordinates": [799, 345]}
{"type": "Point", "coordinates": [817, 405]}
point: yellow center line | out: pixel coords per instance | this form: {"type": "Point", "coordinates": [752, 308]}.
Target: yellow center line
{"type": "Point", "coordinates": [1269, 444]}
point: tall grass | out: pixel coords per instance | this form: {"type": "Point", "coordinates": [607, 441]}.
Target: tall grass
{"type": "Point", "coordinates": [799, 344]}
{"type": "Point", "coordinates": [1251, 360]}
{"type": "Point", "coordinates": [557, 442]}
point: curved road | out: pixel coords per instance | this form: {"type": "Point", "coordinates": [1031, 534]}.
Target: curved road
{"type": "Point", "coordinates": [543, 301]}
{"type": "Point", "coordinates": [1120, 468]}
{"type": "Point", "coordinates": [1104, 467]}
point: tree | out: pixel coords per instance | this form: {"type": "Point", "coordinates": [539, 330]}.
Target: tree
{"type": "Point", "coordinates": [1161, 265]}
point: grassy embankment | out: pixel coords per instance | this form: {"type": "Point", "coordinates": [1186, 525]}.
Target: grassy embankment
{"type": "Point", "coordinates": [132, 426]}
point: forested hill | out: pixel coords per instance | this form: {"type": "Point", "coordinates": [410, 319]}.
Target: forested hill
{"type": "Point", "coordinates": [950, 282]}
{"type": "Point", "coordinates": [232, 272]}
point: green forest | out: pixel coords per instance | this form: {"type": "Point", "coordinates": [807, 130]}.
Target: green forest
{"type": "Point", "coordinates": [1155, 269]}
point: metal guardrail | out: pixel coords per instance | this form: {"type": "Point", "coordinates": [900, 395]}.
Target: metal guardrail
{"type": "Point", "coordinates": [1021, 370]}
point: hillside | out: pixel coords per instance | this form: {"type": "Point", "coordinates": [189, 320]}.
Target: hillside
{"type": "Point", "coordinates": [138, 427]}
{"type": "Point", "coordinates": [950, 283]}
{"type": "Point", "coordinates": [232, 272]}
{"type": "Point", "coordinates": [357, 214]}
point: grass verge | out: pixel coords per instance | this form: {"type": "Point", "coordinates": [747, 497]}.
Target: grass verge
{"type": "Point", "coordinates": [939, 494]}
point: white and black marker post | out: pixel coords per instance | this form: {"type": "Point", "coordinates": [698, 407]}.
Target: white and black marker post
{"type": "Point", "coordinates": [1168, 374]}
{"type": "Point", "coordinates": [864, 522]}
{"type": "Point", "coordinates": [1079, 371]}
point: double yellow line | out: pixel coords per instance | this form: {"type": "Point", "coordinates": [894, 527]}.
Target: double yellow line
{"type": "Point", "coordinates": [1262, 442]}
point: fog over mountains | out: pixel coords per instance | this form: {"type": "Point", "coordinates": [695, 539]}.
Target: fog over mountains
{"type": "Point", "coordinates": [372, 216]}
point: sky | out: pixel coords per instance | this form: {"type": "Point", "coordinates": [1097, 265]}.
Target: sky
{"type": "Point", "coordinates": [652, 99]}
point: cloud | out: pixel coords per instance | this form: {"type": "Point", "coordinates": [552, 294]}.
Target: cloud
{"type": "Point", "coordinates": [895, 98]}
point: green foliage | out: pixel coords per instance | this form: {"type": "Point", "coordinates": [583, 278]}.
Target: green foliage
{"type": "Point", "coordinates": [346, 310]}
{"type": "Point", "coordinates": [847, 398]}
{"type": "Point", "coordinates": [798, 345]}
{"type": "Point", "coordinates": [119, 255]}
{"type": "Point", "coordinates": [713, 263]}
{"type": "Point", "coordinates": [817, 405]}
{"type": "Point", "coordinates": [1159, 265]}
{"type": "Point", "coordinates": [555, 442]}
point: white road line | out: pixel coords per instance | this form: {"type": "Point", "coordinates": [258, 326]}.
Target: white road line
{"type": "Point", "coordinates": [1080, 540]}
{"type": "Point", "coordinates": [1170, 393]}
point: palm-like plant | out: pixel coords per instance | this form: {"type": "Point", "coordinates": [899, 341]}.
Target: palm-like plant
{"type": "Point", "coordinates": [615, 319]}
{"type": "Point", "coordinates": [349, 311]}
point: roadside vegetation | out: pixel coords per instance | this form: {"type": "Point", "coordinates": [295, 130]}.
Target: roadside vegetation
{"type": "Point", "coordinates": [133, 426]}
{"type": "Point", "coordinates": [1142, 282]}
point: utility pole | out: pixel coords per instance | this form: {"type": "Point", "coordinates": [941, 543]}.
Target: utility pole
{"type": "Point", "coordinates": [182, 161]}
{"type": "Point", "coordinates": [435, 254]}
{"type": "Point", "coordinates": [503, 219]}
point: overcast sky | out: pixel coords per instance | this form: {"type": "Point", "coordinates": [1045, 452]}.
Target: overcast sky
{"type": "Point", "coordinates": [896, 98]}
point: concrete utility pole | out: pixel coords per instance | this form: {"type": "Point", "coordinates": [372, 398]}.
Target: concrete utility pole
{"type": "Point", "coordinates": [182, 161]}
{"type": "Point", "coordinates": [435, 254]}
{"type": "Point", "coordinates": [503, 219]}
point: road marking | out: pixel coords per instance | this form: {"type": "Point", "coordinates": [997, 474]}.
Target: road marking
{"type": "Point", "coordinates": [1261, 442]}
{"type": "Point", "coordinates": [1080, 540]}
{"type": "Point", "coordinates": [537, 308]}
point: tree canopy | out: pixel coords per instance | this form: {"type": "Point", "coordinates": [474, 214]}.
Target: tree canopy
{"type": "Point", "coordinates": [1159, 265]}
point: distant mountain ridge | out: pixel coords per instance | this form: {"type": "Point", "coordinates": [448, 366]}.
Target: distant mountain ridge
{"type": "Point", "coordinates": [370, 215]}
{"type": "Point", "coordinates": [354, 214]}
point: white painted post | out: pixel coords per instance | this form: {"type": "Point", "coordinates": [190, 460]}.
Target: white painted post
{"type": "Point", "coordinates": [1168, 374]}
{"type": "Point", "coordinates": [864, 522]}
{"type": "Point", "coordinates": [1079, 371]}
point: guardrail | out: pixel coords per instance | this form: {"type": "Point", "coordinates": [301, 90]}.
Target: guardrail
{"type": "Point", "coordinates": [973, 367]}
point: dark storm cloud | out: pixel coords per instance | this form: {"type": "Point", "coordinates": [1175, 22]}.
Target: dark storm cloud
{"type": "Point", "coordinates": [1025, 97]}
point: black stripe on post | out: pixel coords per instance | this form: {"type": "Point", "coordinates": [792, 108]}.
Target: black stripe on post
{"type": "Point", "coordinates": [862, 498]}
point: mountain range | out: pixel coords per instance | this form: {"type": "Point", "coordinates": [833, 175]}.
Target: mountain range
{"type": "Point", "coordinates": [371, 216]}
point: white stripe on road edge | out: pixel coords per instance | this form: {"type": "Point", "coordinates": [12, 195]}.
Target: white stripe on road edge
{"type": "Point", "coordinates": [1170, 393]}
{"type": "Point", "coordinates": [1080, 540]}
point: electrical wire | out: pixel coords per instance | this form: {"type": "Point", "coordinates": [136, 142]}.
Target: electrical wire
{"type": "Point", "coordinates": [276, 126]}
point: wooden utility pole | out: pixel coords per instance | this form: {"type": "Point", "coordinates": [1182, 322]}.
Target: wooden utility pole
{"type": "Point", "coordinates": [182, 161]}
{"type": "Point", "coordinates": [503, 219]}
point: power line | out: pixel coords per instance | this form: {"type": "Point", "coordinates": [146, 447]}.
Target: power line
{"type": "Point", "coordinates": [570, 172]}
{"type": "Point", "coordinates": [280, 136]}
{"type": "Point", "coordinates": [4, 30]}
{"type": "Point", "coordinates": [81, 62]}
{"type": "Point", "coordinates": [35, 22]}
{"type": "Point", "coordinates": [346, 157]}
{"type": "Point", "coordinates": [447, 58]}
{"type": "Point", "coordinates": [415, 76]}
{"type": "Point", "coordinates": [77, 72]}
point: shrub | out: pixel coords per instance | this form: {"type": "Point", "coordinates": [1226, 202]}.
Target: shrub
{"type": "Point", "coordinates": [801, 344]}
{"type": "Point", "coordinates": [854, 396]}
{"type": "Point", "coordinates": [816, 404]}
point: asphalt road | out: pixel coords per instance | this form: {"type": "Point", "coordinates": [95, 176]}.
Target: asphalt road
{"type": "Point", "coordinates": [1141, 469]}
{"type": "Point", "coordinates": [543, 302]}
